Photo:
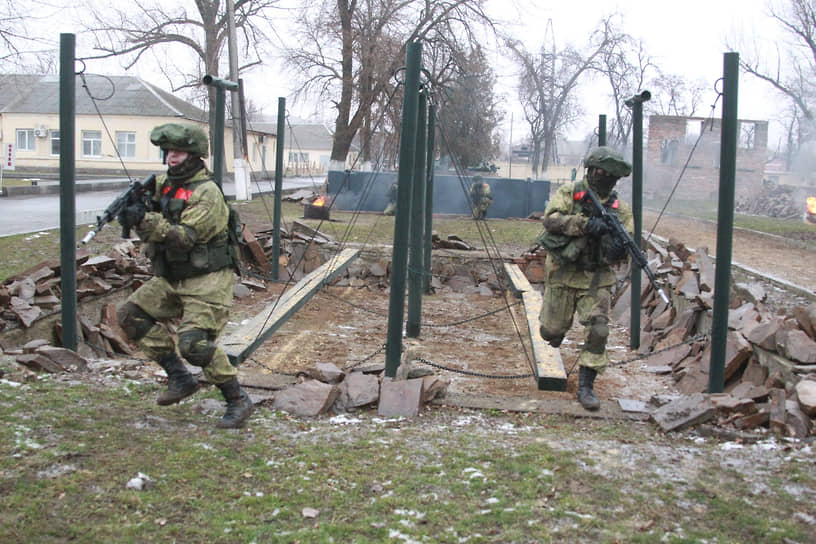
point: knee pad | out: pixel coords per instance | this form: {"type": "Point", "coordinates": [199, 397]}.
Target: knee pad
{"type": "Point", "coordinates": [134, 321]}
{"type": "Point", "coordinates": [195, 346]}
{"type": "Point", "coordinates": [598, 333]}
{"type": "Point", "coordinates": [554, 339]}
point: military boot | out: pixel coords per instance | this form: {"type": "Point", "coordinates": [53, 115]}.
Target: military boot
{"type": "Point", "coordinates": [180, 383]}
{"type": "Point", "coordinates": [239, 406]}
{"type": "Point", "coordinates": [586, 396]}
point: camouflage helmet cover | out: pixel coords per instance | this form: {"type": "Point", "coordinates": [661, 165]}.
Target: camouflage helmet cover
{"type": "Point", "coordinates": [609, 160]}
{"type": "Point", "coordinates": [189, 138]}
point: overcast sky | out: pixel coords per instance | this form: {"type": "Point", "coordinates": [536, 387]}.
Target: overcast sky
{"type": "Point", "coordinates": [685, 38]}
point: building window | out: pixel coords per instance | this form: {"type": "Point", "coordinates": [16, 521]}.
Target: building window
{"type": "Point", "coordinates": [126, 144]}
{"type": "Point", "coordinates": [747, 135]}
{"type": "Point", "coordinates": [91, 143]}
{"type": "Point", "coordinates": [693, 130]}
{"type": "Point", "coordinates": [55, 142]}
{"type": "Point", "coordinates": [298, 157]}
{"type": "Point", "coordinates": [25, 139]}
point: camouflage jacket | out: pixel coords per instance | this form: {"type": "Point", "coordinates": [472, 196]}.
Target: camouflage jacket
{"type": "Point", "coordinates": [573, 258]}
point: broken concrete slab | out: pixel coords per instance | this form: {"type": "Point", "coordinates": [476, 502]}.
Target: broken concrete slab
{"type": "Point", "coordinates": [358, 389]}
{"type": "Point", "coordinates": [806, 393]}
{"type": "Point", "coordinates": [67, 359]}
{"type": "Point", "coordinates": [400, 398]}
{"type": "Point", "coordinates": [39, 362]}
{"type": "Point", "coordinates": [684, 412]}
{"type": "Point", "coordinates": [308, 399]}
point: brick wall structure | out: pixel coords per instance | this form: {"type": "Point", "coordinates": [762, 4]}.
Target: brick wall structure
{"type": "Point", "coordinates": [670, 142]}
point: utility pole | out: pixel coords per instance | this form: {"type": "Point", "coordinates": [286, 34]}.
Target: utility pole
{"type": "Point", "coordinates": [240, 167]}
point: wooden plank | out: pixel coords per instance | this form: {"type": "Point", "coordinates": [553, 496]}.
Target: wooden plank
{"type": "Point", "coordinates": [241, 343]}
{"type": "Point", "coordinates": [518, 281]}
{"type": "Point", "coordinates": [550, 373]}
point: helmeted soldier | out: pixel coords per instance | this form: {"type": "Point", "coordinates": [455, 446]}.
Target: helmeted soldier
{"type": "Point", "coordinates": [391, 207]}
{"type": "Point", "coordinates": [580, 250]}
{"type": "Point", "coordinates": [193, 257]}
{"type": "Point", "coordinates": [480, 197]}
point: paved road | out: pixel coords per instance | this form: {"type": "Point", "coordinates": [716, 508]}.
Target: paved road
{"type": "Point", "coordinates": [32, 213]}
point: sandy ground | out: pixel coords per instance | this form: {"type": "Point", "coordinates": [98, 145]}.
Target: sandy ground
{"type": "Point", "coordinates": [348, 325]}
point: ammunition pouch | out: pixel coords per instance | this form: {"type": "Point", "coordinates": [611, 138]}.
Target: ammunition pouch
{"type": "Point", "coordinates": [215, 255]}
{"type": "Point", "coordinates": [565, 249]}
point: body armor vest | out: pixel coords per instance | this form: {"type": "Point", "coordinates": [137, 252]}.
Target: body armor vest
{"type": "Point", "coordinates": [204, 257]}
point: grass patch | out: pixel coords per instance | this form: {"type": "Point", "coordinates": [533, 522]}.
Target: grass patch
{"type": "Point", "coordinates": [67, 452]}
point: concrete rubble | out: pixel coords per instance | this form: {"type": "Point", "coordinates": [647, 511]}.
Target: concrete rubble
{"type": "Point", "coordinates": [770, 369]}
{"type": "Point", "coordinates": [770, 361]}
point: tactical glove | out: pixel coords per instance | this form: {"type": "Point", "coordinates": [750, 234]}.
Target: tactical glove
{"type": "Point", "coordinates": [614, 250]}
{"type": "Point", "coordinates": [596, 227]}
{"type": "Point", "coordinates": [132, 214]}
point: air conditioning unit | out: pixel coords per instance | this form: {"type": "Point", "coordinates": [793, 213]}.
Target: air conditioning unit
{"type": "Point", "coordinates": [41, 131]}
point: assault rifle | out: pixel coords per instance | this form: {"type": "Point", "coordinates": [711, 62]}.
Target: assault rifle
{"type": "Point", "coordinates": [619, 233]}
{"type": "Point", "coordinates": [137, 190]}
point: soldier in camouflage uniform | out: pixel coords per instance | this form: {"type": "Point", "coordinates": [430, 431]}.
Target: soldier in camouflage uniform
{"type": "Point", "coordinates": [580, 250]}
{"type": "Point", "coordinates": [480, 197]}
{"type": "Point", "coordinates": [193, 259]}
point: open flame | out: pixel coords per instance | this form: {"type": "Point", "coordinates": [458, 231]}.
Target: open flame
{"type": "Point", "coordinates": [319, 201]}
{"type": "Point", "coordinates": [811, 205]}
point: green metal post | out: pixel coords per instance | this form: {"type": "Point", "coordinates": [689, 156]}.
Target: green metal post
{"type": "Point", "coordinates": [399, 259]}
{"type": "Point", "coordinates": [602, 129]}
{"type": "Point", "coordinates": [725, 222]}
{"type": "Point", "coordinates": [278, 186]}
{"type": "Point", "coordinates": [221, 87]}
{"type": "Point", "coordinates": [636, 103]}
{"type": "Point", "coordinates": [426, 261]}
{"type": "Point", "coordinates": [68, 191]}
{"type": "Point", "coordinates": [218, 136]}
{"type": "Point", "coordinates": [415, 267]}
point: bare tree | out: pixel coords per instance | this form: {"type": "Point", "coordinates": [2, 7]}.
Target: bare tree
{"type": "Point", "coordinates": [21, 45]}
{"type": "Point", "coordinates": [468, 114]}
{"type": "Point", "coordinates": [348, 51]}
{"type": "Point", "coordinates": [675, 95]}
{"type": "Point", "coordinates": [625, 66]}
{"type": "Point", "coordinates": [793, 71]}
{"type": "Point", "coordinates": [132, 30]}
{"type": "Point", "coordinates": [548, 81]}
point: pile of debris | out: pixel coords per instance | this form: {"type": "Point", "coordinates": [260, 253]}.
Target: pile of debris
{"type": "Point", "coordinates": [770, 361]}
{"type": "Point", "coordinates": [327, 388]}
{"type": "Point", "coordinates": [35, 294]}
{"type": "Point", "coordinates": [773, 201]}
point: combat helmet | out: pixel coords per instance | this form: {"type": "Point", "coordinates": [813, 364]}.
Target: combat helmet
{"type": "Point", "coordinates": [608, 159]}
{"type": "Point", "coordinates": [189, 138]}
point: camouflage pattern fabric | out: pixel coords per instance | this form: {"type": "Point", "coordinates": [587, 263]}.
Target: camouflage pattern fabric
{"type": "Point", "coordinates": [559, 306]}
{"type": "Point", "coordinates": [481, 198]}
{"type": "Point", "coordinates": [202, 302]}
{"type": "Point", "coordinates": [582, 285]}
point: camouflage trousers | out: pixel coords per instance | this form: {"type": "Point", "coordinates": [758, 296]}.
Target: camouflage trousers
{"type": "Point", "coordinates": [592, 306]}
{"type": "Point", "coordinates": [200, 303]}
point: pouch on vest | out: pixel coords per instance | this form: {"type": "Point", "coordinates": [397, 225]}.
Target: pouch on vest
{"type": "Point", "coordinates": [562, 247]}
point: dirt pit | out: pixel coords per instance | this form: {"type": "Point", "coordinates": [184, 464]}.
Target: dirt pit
{"type": "Point", "coordinates": [348, 326]}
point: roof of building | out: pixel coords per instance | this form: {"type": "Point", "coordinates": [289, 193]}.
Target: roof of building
{"type": "Point", "coordinates": [301, 134]}
{"type": "Point", "coordinates": [111, 95]}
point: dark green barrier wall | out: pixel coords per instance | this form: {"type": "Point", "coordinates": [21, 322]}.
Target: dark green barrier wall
{"type": "Point", "coordinates": [367, 191]}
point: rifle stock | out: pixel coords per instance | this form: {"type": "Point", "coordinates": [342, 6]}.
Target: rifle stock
{"type": "Point", "coordinates": [137, 190]}
{"type": "Point", "coordinates": [619, 233]}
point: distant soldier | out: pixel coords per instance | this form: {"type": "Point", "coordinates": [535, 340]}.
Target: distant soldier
{"type": "Point", "coordinates": [185, 306]}
{"type": "Point", "coordinates": [391, 208]}
{"type": "Point", "coordinates": [480, 197]}
{"type": "Point", "coordinates": [580, 250]}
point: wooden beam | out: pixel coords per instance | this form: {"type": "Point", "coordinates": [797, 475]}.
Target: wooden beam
{"type": "Point", "coordinates": [550, 373]}
{"type": "Point", "coordinates": [241, 343]}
